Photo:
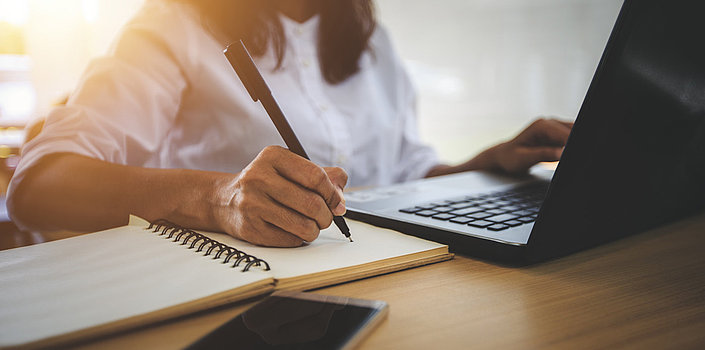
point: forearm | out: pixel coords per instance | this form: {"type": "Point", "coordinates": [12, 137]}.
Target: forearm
{"type": "Point", "coordinates": [72, 192]}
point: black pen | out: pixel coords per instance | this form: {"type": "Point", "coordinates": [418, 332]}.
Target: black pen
{"type": "Point", "coordinates": [245, 67]}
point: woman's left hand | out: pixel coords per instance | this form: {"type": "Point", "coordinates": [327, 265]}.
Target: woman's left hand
{"type": "Point", "coordinates": [542, 141]}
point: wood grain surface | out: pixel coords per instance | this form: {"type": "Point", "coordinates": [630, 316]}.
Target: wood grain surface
{"type": "Point", "coordinates": [646, 291]}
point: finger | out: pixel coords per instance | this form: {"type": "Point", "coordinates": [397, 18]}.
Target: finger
{"type": "Point", "coordinates": [339, 178]}
{"type": "Point", "coordinates": [530, 156]}
{"type": "Point", "coordinates": [301, 200]}
{"type": "Point", "coordinates": [291, 221]}
{"type": "Point", "coordinates": [548, 133]}
{"type": "Point", "coordinates": [315, 179]}
{"type": "Point", "coordinates": [303, 172]}
{"type": "Point", "coordinates": [268, 235]}
{"type": "Point", "coordinates": [565, 123]}
{"type": "Point", "coordinates": [248, 226]}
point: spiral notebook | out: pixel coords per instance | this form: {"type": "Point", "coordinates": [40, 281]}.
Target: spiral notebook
{"type": "Point", "coordinates": [89, 285]}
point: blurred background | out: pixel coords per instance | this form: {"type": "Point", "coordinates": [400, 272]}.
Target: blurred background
{"type": "Point", "coordinates": [483, 68]}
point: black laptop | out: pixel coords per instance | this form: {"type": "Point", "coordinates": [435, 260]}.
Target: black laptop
{"type": "Point", "coordinates": [634, 160]}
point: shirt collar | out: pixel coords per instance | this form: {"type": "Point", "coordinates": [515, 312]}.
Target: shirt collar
{"type": "Point", "coordinates": [295, 28]}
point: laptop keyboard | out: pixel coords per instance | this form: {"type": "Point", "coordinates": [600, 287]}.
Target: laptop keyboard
{"type": "Point", "coordinates": [495, 211]}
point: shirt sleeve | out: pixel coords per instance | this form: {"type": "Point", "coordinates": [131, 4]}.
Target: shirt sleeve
{"type": "Point", "coordinates": [125, 102]}
{"type": "Point", "coordinates": [416, 157]}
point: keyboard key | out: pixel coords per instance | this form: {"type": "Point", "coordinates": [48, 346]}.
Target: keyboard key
{"type": "Point", "coordinates": [513, 223]}
{"type": "Point", "coordinates": [479, 215]}
{"type": "Point", "coordinates": [461, 220]}
{"type": "Point", "coordinates": [442, 209]}
{"type": "Point", "coordinates": [510, 207]}
{"type": "Point", "coordinates": [443, 216]}
{"type": "Point", "coordinates": [480, 223]}
{"type": "Point", "coordinates": [496, 211]}
{"type": "Point", "coordinates": [498, 227]}
{"type": "Point", "coordinates": [426, 213]}
{"type": "Point", "coordinates": [466, 211]}
{"type": "Point", "coordinates": [461, 205]}
{"type": "Point", "coordinates": [503, 217]}
{"type": "Point", "coordinates": [489, 205]}
{"type": "Point", "coordinates": [523, 212]}
{"type": "Point", "coordinates": [517, 201]}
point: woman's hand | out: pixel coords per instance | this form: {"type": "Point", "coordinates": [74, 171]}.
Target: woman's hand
{"type": "Point", "coordinates": [542, 141]}
{"type": "Point", "coordinates": [281, 199]}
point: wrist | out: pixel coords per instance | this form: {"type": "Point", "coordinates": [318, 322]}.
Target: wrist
{"type": "Point", "coordinates": [488, 159]}
{"type": "Point", "coordinates": [221, 193]}
{"type": "Point", "coordinates": [198, 199]}
{"type": "Point", "coordinates": [492, 157]}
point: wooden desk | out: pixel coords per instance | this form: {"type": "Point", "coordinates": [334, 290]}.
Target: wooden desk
{"type": "Point", "coordinates": [646, 291]}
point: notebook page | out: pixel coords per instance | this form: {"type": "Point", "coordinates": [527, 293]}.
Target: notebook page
{"type": "Point", "coordinates": [68, 285]}
{"type": "Point", "coordinates": [332, 251]}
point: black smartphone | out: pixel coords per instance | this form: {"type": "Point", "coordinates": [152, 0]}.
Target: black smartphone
{"type": "Point", "coordinates": [295, 320]}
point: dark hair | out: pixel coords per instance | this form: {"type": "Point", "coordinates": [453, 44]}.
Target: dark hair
{"type": "Point", "coordinates": [344, 31]}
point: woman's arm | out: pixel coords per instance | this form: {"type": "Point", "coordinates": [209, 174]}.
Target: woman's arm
{"type": "Point", "coordinates": [279, 199]}
{"type": "Point", "coordinates": [542, 141]}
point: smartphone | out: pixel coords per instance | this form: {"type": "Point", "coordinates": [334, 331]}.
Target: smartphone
{"type": "Point", "coordinates": [296, 320]}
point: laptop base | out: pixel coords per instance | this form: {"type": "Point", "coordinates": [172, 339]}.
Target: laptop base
{"type": "Point", "coordinates": [496, 252]}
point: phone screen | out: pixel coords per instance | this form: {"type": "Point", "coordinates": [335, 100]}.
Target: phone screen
{"type": "Point", "coordinates": [280, 322]}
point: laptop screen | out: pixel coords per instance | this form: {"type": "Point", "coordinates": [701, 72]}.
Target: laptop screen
{"type": "Point", "coordinates": [636, 156]}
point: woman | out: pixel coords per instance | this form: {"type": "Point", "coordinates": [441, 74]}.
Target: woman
{"type": "Point", "coordinates": [162, 128]}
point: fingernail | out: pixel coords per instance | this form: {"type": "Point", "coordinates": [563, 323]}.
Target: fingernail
{"type": "Point", "coordinates": [340, 209]}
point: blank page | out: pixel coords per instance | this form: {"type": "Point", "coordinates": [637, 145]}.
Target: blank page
{"type": "Point", "coordinates": [334, 254]}
{"type": "Point", "coordinates": [68, 285]}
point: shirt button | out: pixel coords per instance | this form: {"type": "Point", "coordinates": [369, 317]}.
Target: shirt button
{"type": "Point", "coordinates": [323, 108]}
{"type": "Point", "coordinates": [342, 159]}
{"type": "Point", "coordinates": [306, 63]}
{"type": "Point", "coordinates": [298, 31]}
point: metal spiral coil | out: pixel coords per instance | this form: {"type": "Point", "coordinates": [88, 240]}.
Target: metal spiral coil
{"type": "Point", "coordinates": [219, 250]}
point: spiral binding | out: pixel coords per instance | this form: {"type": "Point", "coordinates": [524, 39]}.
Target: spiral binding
{"type": "Point", "coordinates": [219, 250]}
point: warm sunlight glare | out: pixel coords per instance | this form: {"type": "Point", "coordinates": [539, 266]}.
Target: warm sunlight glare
{"type": "Point", "coordinates": [90, 10]}
{"type": "Point", "coordinates": [14, 11]}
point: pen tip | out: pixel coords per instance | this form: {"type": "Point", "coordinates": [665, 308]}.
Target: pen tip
{"type": "Point", "coordinates": [350, 238]}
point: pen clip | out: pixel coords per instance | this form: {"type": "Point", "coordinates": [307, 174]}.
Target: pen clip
{"type": "Point", "coordinates": [242, 63]}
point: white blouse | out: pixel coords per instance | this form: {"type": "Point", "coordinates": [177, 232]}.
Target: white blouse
{"type": "Point", "coordinates": [165, 96]}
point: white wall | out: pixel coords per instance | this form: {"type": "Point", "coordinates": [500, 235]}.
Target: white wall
{"type": "Point", "coordinates": [485, 68]}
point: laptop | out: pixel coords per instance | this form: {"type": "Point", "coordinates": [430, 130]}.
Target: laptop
{"type": "Point", "coordinates": [635, 158]}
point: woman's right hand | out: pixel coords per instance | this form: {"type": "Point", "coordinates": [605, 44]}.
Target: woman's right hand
{"type": "Point", "coordinates": [281, 199]}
